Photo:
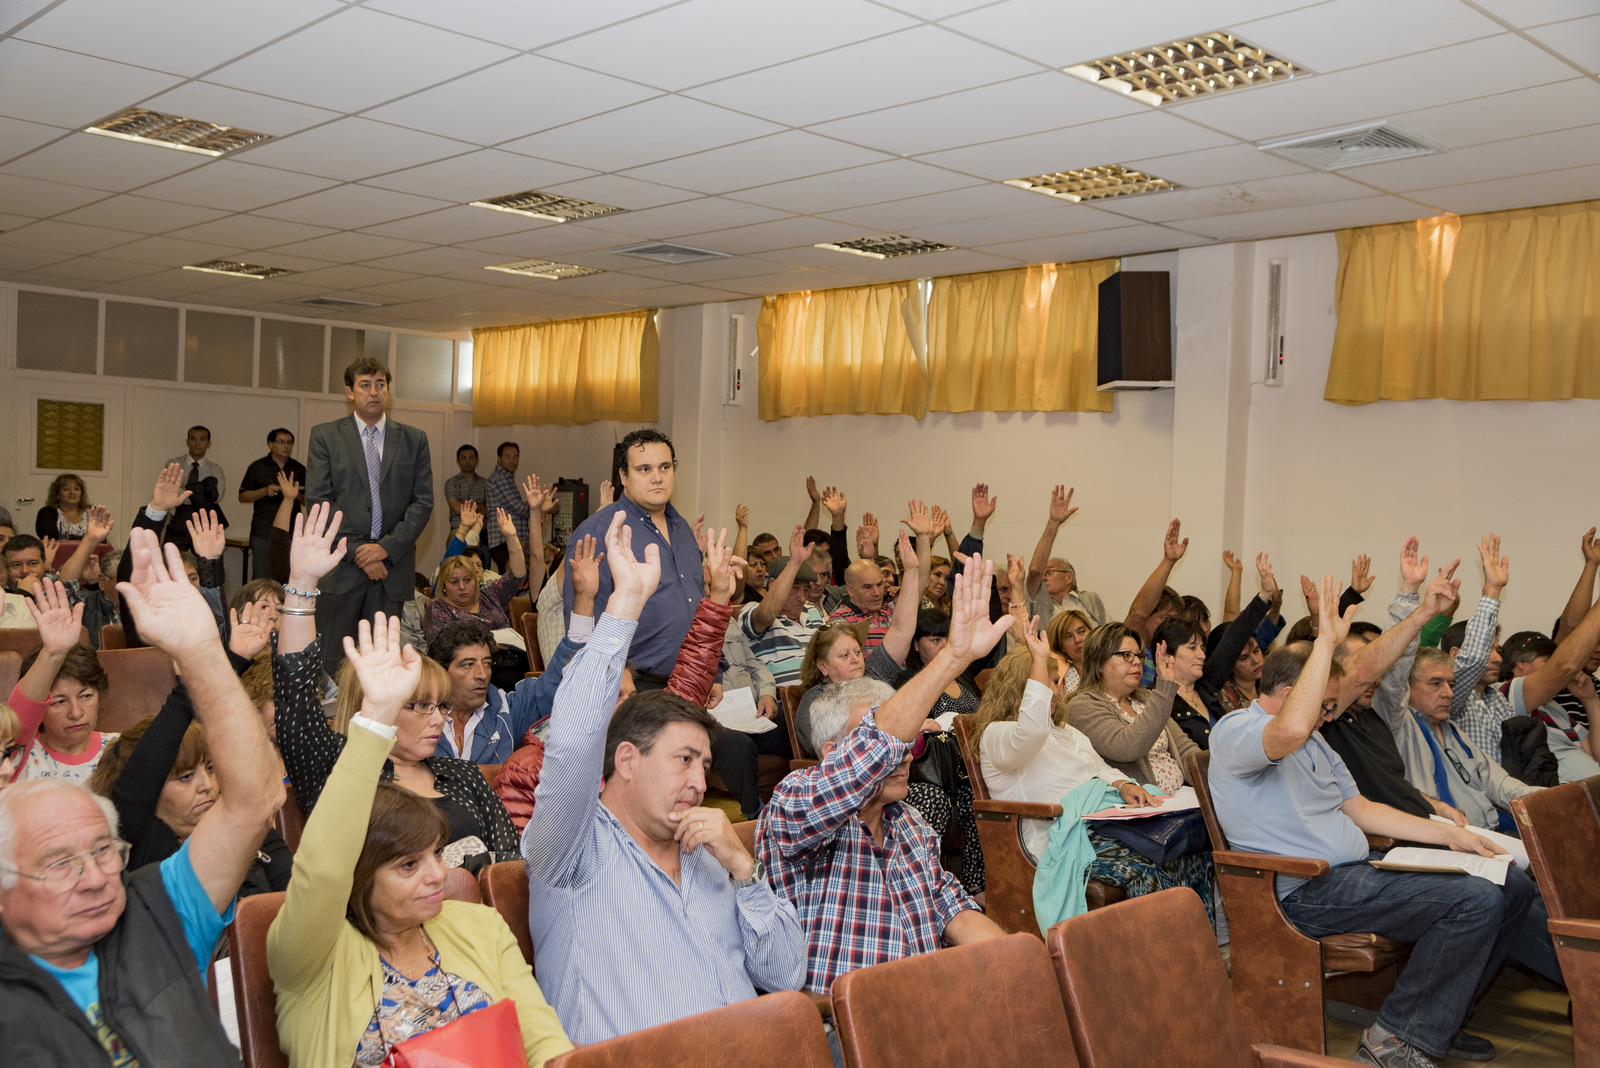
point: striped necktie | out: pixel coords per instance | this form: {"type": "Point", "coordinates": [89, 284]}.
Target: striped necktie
{"type": "Point", "coordinates": [374, 462]}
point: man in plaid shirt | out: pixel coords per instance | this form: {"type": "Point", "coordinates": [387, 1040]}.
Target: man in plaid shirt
{"type": "Point", "coordinates": [862, 868]}
{"type": "Point", "coordinates": [503, 493]}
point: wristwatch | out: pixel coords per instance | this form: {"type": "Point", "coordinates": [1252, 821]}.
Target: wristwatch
{"type": "Point", "coordinates": [757, 873]}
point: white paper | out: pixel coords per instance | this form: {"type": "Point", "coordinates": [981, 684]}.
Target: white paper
{"type": "Point", "coordinates": [737, 712]}
{"type": "Point", "coordinates": [1513, 846]}
{"type": "Point", "coordinates": [507, 636]}
{"type": "Point", "coordinates": [1492, 868]}
{"type": "Point", "coordinates": [1182, 801]}
{"type": "Point", "coordinates": [227, 1008]}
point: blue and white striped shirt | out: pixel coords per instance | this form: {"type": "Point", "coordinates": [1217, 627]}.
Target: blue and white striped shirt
{"type": "Point", "coordinates": [621, 946]}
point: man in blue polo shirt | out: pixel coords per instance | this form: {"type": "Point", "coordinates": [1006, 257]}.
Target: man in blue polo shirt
{"type": "Point", "coordinates": [1279, 788]}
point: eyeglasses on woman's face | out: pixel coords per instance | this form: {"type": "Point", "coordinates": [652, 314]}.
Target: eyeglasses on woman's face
{"type": "Point", "coordinates": [428, 709]}
{"type": "Point", "coordinates": [1128, 656]}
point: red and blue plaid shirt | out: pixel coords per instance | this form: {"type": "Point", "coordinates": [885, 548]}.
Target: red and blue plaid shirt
{"type": "Point", "coordinates": [859, 903]}
{"type": "Point", "coordinates": [876, 623]}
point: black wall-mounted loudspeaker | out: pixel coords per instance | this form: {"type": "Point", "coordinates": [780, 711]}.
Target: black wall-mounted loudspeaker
{"type": "Point", "coordinates": [1135, 342]}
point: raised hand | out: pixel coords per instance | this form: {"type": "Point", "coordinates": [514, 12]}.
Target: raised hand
{"type": "Point", "coordinates": [741, 516]}
{"type": "Point", "coordinates": [170, 613]}
{"type": "Point", "coordinates": [1232, 562]}
{"type": "Point", "coordinates": [811, 489]}
{"type": "Point", "coordinates": [471, 517]}
{"type": "Point", "coordinates": [1308, 589]}
{"type": "Point", "coordinates": [1171, 547]}
{"type": "Point", "coordinates": [99, 521]}
{"type": "Point", "coordinates": [548, 503]}
{"type": "Point", "coordinates": [797, 543]}
{"type": "Point", "coordinates": [287, 487]}
{"type": "Point", "coordinates": [722, 565]}
{"type": "Point", "coordinates": [941, 520]}
{"type": "Point", "coordinates": [835, 502]}
{"type": "Point", "coordinates": [908, 554]}
{"type": "Point", "coordinates": [1591, 548]}
{"type": "Point", "coordinates": [249, 630]}
{"type": "Point", "coordinates": [1061, 508]}
{"type": "Point", "coordinates": [1581, 686]}
{"type": "Point", "coordinates": [867, 536]}
{"type": "Point", "coordinates": [169, 491]}
{"type": "Point", "coordinates": [505, 524]}
{"type": "Point", "coordinates": [50, 546]}
{"type": "Point", "coordinates": [585, 567]}
{"type": "Point", "coordinates": [608, 493]}
{"type": "Point", "coordinates": [699, 527]}
{"type": "Point", "coordinates": [1269, 584]}
{"type": "Point", "coordinates": [388, 672]}
{"type": "Point", "coordinates": [209, 536]}
{"type": "Point", "coordinates": [1496, 568]}
{"type": "Point", "coordinates": [633, 580]}
{"type": "Point", "coordinates": [532, 491]}
{"type": "Point", "coordinates": [58, 619]}
{"type": "Point", "coordinates": [1443, 590]}
{"type": "Point", "coordinates": [312, 552]}
{"type": "Point", "coordinates": [1361, 573]}
{"type": "Point", "coordinates": [921, 520]}
{"type": "Point", "coordinates": [1413, 569]}
{"type": "Point", "coordinates": [1038, 644]}
{"type": "Point", "coordinates": [972, 633]}
{"type": "Point", "coordinates": [1017, 572]}
{"type": "Point", "coordinates": [983, 505]}
{"type": "Point", "coordinates": [1330, 621]}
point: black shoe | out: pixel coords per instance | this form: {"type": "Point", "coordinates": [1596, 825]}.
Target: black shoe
{"type": "Point", "coordinates": [1470, 1047]}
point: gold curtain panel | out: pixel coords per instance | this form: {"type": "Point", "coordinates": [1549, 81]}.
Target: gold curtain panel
{"type": "Point", "coordinates": [1499, 306]}
{"type": "Point", "coordinates": [566, 373]}
{"type": "Point", "coordinates": [840, 352]}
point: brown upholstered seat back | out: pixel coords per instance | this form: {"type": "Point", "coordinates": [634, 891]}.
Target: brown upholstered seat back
{"type": "Point", "coordinates": [528, 627]}
{"type": "Point", "coordinates": [10, 672]}
{"type": "Point", "coordinates": [969, 753]}
{"type": "Point", "coordinates": [1198, 765]}
{"type": "Point", "coordinates": [112, 637]}
{"type": "Point", "coordinates": [19, 640]}
{"type": "Point", "coordinates": [140, 681]}
{"type": "Point", "coordinates": [988, 1003]}
{"type": "Point", "coordinates": [290, 821]}
{"type": "Point", "coordinates": [461, 885]}
{"type": "Point", "coordinates": [504, 887]}
{"type": "Point", "coordinates": [773, 1031]}
{"type": "Point", "coordinates": [789, 697]}
{"type": "Point", "coordinates": [1162, 946]}
{"type": "Point", "coordinates": [746, 831]}
{"type": "Point", "coordinates": [1561, 828]}
{"type": "Point", "coordinates": [252, 983]}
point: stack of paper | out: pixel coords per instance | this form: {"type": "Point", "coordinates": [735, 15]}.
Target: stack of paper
{"type": "Point", "coordinates": [1182, 801]}
{"type": "Point", "coordinates": [1513, 846]}
{"type": "Point", "coordinates": [1445, 861]}
{"type": "Point", "coordinates": [737, 712]}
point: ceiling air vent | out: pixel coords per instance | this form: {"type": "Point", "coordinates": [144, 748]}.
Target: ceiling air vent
{"type": "Point", "coordinates": [1350, 146]}
{"type": "Point", "coordinates": [1093, 183]}
{"type": "Point", "coordinates": [885, 246]}
{"type": "Point", "coordinates": [549, 206]}
{"type": "Point", "coordinates": [1184, 70]}
{"type": "Point", "coordinates": [174, 131]}
{"type": "Point", "coordinates": [554, 272]}
{"type": "Point", "coordinates": [238, 270]}
{"type": "Point", "coordinates": [667, 252]}
{"type": "Point", "coordinates": [339, 302]}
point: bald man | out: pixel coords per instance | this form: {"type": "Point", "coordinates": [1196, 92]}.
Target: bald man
{"type": "Point", "coordinates": [864, 601]}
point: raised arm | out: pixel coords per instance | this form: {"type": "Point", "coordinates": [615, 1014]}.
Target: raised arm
{"type": "Point", "coordinates": [814, 516]}
{"type": "Point", "coordinates": [59, 621]}
{"type": "Point", "coordinates": [1473, 656]}
{"type": "Point", "coordinates": [696, 670]}
{"type": "Point", "coordinates": [1302, 709]}
{"type": "Point", "coordinates": [98, 522]}
{"type": "Point", "coordinates": [903, 620]}
{"type": "Point", "coordinates": [921, 524]}
{"type": "Point", "coordinates": [1219, 665]}
{"type": "Point", "coordinates": [516, 558]}
{"type": "Point", "coordinates": [1545, 681]}
{"type": "Point", "coordinates": [1149, 595]}
{"type": "Point", "coordinates": [983, 507]}
{"type": "Point", "coordinates": [779, 586]}
{"type": "Point", "coordinates": [1061, 510]}
{"type": "Point", "coordinates": [1583, 592]}
{"type": "Point", "coordinates": [1230, 598]}
{"type": "Point", "coordinates": [1372, 661]}
{"type": "Point", "coordinates": [315, 551]}
{"type": "Point", "coordinates": [1390, 701]}
{"type": "Point", "coordinates": [533, 569]}
{"type": "Point", "coordinates": [741, 537]}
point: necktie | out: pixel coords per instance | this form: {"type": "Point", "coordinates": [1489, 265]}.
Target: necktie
{"type": "Point", "coordinates": [374, 461]}
{"type": "Point", "coordinates": [194, 472]}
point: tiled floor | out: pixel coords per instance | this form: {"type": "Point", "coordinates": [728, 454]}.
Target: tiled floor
{"type": "Point", "coordinates": [1528, 1026]}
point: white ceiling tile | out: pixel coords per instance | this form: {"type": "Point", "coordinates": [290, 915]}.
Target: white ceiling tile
{"type": "Point", "coordinates": [178, 283]}
{"type": "Point", "coordinates": [933, 264]}
{"type": "Point", "coordinates": [1261, 194]}
{"type": "Point", "coordinates": [52, 236]}
{"type": "Point", "coordinates": [1483, 163]}
{"type": "Point", "coordinates": [104, 162]}
{"type": "Point", "coordinates": [27, 196]}
{"type": "Point", "coordinates": [443, 262]}
{"type": "Point", "coordinates": [707, 271]}
{"type": "Point", "coordinates": [519, 297]}
{"type": "Point", "coordinates": [17, 137]}
{"type": "Point", "coordinates": [250, 231]}
{"type": "Point", "coordinates": [478, 176]}
{"type": "Point", "coordinates": [235, 186]}
{"type": "Point", "coordinates": [643, 133]}
{"type": "Point", "coordinates": [1126, 241]}
{"type": "Point", "coordinates": [190, 36]}
{"type": "Point", "coordinates": [352, 247]}
{"type": "Point", "coordinates": [294, 263]}
{"type": "Point", "coordinates": [1309, 219]}
{"type": "Point", "coordinates": [351, 206]}
{"type": "Point", "coordinates": [1551, 187]}
{"type": "Point", "coordinates": [1048, 100]}
{"type": "Point", "coordinates": [1442, 76]}
{"type": "Point", "coordinates": [517, 23]}
{"type": "Point", "coordinates": [1059, 35]}
{"type": "Point", "coordinates": [1320, 36]}
{"type": "Point", "coordinates": [351, 277]}
{"type": "Point", "coordinates": [790, 154]}
{"type": "Point", "coordinates": [1557, 106]}
{"type": "Point", "coordinates": [457, 224]}
{"type": "Point", "coordinates": [690, 216]}
{"type": "Point", "coordinates": [356, 59]}
{"type": "Point", "coordinates": [1537, 12]}
{"type": "Point", "coordinates": [171, 252]}
{"type": "Point", "coordinates": [914, 64]}
{"type": "Point", "coordinates": [425, 289]}
{"type": "Point", "coordinates": [1578, 40]}
{"type": "Point", "coordinates": [11, 222]}
{"type": "Point", "coordinates": [935, 9]}
{"type": "Point", "coordinates": [62, 88]}
{"type": "Point", "coordinates": [622, 192]}
{"type": "Point", "coordinates": [765, 237]}
{"type": "Point", "coordinates": [355, 148]}
{"type": "Point", "coordinates": [14, 12]}
{"type": "Point", "coordinates": [234, 107]}
{"type": "Point", "coordinates": [760, 35]}
{"type": "Point", "coordinates": [1054, 220]}
{"type": "Point", "coordinates": [678, 296]}
{"type": "Point", "coordinates": [1216, 166]}
{"type": "Point", "coordinates": [268, 290]}
{"type": "Point", "coordinates": [958, 205]}
{"type": "Point", "coordinates": [871, 184]}
{"type": "Point", "coordinates": [94, 269]}
{"type": "Point", "coordinates": [512, 99]}
{"type": "Point", "coordinates": [141, 215]}
{"type": "Point", "coordinates": [545, 243]}
{"type": "Point", "coordinates": [796, 281]}
{"type": "Point", "coordinates": [1091, 145]}
{"type": "Point", "coordinates": [17, 258]}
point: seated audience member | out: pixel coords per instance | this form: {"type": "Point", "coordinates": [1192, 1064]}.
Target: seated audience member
{"type": "Point", "coordinates": [1052, 583]}
{"type": "Point", "coordinates": [1067, 632]}
{"type": "Point", "coordinates": [644, 907]}
{"type": "Point", "coordinates": [267, 597]}
{"type": "Point", "coordinates": [746, 670]}
{"type": "Point", "coordinates": [487, 723]}
{"type": "Point", "coordinates": [1280, 789]}
{"type": "Point", "coordinates": [862, 867]}
{"type": "Point", "coordinates": [1029, 752]}
{"type": "Point", "coordinates": [59, 694]}
{"type": "Point", "coordinates": [103, 967]}
{"type": "Point", "coordinates": [480, 830]}
{"type": "Point", "coordinates": [12, 749]}
{"type": "Point", "coordinates": [1129, 726]}
{"type": "Point", "coordinates": [1242, 685]}
{"type": "Point", "coordinates": [937, 595]}
{"type": "Point", "coordinates": [25, 563]}
{"type": "Point", "coordinates": [1196, 614]}
{"type": "Point", "coordinates": [63, 516]}
{"type": "Point", "coordinates": [1156, 602]}
{"type": "Point", "coordinates": [767, 547]}
{"type": "Point", "coordinates": [552, 624]}
{"type": "Point", "coordinates": [365, 952]}
{"type": "Point", "coordinates": [8, 531]}
{"type": "Point", "coordinates": [1182, 644]}
{"type": "Point", "coordinates": [462, 596]}
{"type": "Point", "coordinates": [1227, 667]}
{"type": "Point", "coordinates": [865, 602]}
{"type": "Point", "coordinates": [781, 625]}
{"type": "Point", "coordinates": [91, 580]}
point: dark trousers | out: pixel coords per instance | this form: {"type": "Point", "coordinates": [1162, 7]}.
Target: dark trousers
{"type": "Point", "coordinates": [733, 756]}
{"type": "Point", "coordinates": [260, 557]}
{"type": "Point", "coordinates": [338, 615]}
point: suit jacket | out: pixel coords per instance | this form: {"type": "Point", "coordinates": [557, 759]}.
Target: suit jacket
{"type": "Point", "coordinates": [336, 471]}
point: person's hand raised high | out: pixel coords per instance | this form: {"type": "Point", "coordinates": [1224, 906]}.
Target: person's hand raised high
{"type": "Point", "coordinates": [388, 672]}
{"type": "Point", "coordinates": [632, 580]}
{"type": "Point", "coordinates": [312, 552]}
{"type": "Point", "coordinates": [60, 622]}
{"type": "Point", "coordinates": [972, 633]}
{"type": "Point", "coordinates": [170, 613]}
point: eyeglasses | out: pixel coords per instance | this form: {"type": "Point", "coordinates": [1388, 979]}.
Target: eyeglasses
{"type": "Point", "coordinates": [1455, 762]}
{"type": "Point", "coordinates": [426, 709]}
{"type": "Point", "coordinates": [1058, 571]}
{"type": "Point", "coordinates": [1128, 657]}
{"type": "Point", "coordinates": [65, 874]}
{"type": "Point", "coordinates": [1330, 707]}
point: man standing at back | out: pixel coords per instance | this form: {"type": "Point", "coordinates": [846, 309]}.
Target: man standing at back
{"type": "Point", "coordinates": [378, 473]}
{"type": "Point", "coordinates": [502, 492]}
{"type": "Point", "coordinates": [259, 489]}
{"type": "Point", "coordinates": [203, 479]}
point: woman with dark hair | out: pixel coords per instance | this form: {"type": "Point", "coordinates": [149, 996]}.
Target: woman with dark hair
{"type": "Point", "coordinates": [366, 953]}
{"type": "Point", "coordinates": [1233, 657]}
{"type": "Point", "coordinates": [1204, 666]}
{"type": "Point", "coordinates": [1129, 726]}
{"type": "Point", "coordinates": [62, 516]}
{"type": "Point", "coordinates": [58, 697]}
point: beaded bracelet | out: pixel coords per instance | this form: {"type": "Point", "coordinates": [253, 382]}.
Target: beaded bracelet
{"type": "Point", "coordinates": [303, 593]}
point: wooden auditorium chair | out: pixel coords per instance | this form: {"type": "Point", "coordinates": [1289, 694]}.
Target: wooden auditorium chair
{"type": "Point", "coordinates": [773, 1031]}
{"type": "Point", "coordinates": [290, 821]}
{"type": "Point", "coordinates": [10, 672]}
{"type": "Point", "coordinates": [504, 887]}
{"type": "Point", "coordinates": [140, 680]}
{"type": "Point", "coordinates": [24, 640]}
{"type": "Point", "coordinates": [113, 637]}
{"type": "Point", "coordinates": [789, 698]}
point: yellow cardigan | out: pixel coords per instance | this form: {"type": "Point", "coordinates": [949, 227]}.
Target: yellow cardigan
{"type": "Point", "coordinates": [327, 973]}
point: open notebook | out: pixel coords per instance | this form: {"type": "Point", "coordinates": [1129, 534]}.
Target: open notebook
{"type": "Point", "coordinates": [1445, 861]}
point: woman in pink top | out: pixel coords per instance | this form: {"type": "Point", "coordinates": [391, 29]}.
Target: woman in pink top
{"type": "Point", "coordinates": [58, 699]}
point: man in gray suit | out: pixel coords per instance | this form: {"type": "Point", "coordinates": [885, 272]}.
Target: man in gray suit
{"type": "Point", "coordinates": [378, 473]}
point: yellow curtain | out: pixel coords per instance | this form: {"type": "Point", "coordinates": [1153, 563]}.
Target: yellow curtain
{"type": "Point", "coordinates": [1499, 306]}
{"type": "Point", "coordinates": [1018, 340]}
{"type": "Point", "coordinates": [839, 352]}
{"type": "Point", "coordinates": [566, 373]}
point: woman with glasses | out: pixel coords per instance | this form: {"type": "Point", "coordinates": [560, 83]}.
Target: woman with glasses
{"type": "Point", "coordinates": [480, 830]}
{"type": "Point", "coordinates": [462, 594]}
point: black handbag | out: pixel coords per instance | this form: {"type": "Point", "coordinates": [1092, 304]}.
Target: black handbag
{"type": "Point", "coordinates": [1160, 838]}
{"type": "Point", "coordinates": [941, 763]}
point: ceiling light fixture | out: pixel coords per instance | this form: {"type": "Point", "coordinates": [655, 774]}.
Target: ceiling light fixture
{"type": "Point", "coordinates": [1093, 183]}
{"type": "Point", "coordinates": [546, 269]}
{"type": "Point", "coordinates": [340, 302]}
{"type": "Point", "coordinates": [667, 252]}
{"type": "Point", "coordinates": [1350, 146]}
{"type": "Point", "coordinates": [237, 270]}
{"type": "Point", "coordinates": [1183, 70]}
{"type": "Point", "coordinates": [548, 206]}
{"type": "Point", "coordinates": [174, 131]}
{"type": "Point", "coordinates": [884, 247]}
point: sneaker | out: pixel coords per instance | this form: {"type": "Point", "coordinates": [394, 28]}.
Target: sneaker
{"type": "Point", "coordinates": [1383, 1050]}
{"type": "Point", "coordinates": [1471, 1047]}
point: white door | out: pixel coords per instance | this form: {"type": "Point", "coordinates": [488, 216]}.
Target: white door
{"type": "Point", "coordinates": [106, 478]}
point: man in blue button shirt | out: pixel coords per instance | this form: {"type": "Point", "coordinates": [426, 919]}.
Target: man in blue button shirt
{"type": "Point", "coordinates": [1279, 788]}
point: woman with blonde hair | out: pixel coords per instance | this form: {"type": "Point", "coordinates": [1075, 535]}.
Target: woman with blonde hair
{"type": "Point", "coordinates": [1067, 632]}
{"type": "Point", "coordinates": [462, 594]}
{"type": "Point", "coordinates": [11, 748]}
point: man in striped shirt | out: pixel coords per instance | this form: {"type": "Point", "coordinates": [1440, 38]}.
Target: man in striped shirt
{"type": "Point", "coordinates": [780, 627]}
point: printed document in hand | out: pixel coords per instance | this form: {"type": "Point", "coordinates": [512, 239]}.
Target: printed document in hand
{"type": "Point", "coordinates": [1513, 846]}
{"type": "Point", "coordinates": [1445, 861]}
{"type": "Point", "coordinates": [1182, 801]}
{"type": "Point", "coordinates": [737, 712]}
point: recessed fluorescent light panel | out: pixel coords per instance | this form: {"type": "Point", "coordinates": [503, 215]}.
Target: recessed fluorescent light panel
{"type": "Point", "coordinates": [548, 206]}
{"type": "Point", "coordinates": [1093, 183]}
{"type": "Point", "coordinates": [1351, 146]}
{"type": "Point", "coordinates": [554, 272]}
{"type": "Point", "coordinates": [238, 270]}
{"type": "Point", "coordinates": [339, 302]}
{"type": "Point", "coordinates": [667, 252]}
{"type": "Point", "coordinates": [174, 131]}
{"type": "Point", "coordinates": [885, 247]}
{"type": "Point", "coordinates": [1183, 70]}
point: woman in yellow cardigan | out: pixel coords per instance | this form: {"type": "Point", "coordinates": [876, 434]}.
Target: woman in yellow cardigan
{"type": "Point", "coordinates": [366, 952]}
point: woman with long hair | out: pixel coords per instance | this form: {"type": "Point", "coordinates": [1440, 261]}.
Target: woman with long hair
{"type": "Point", "coordinates": [63, 514]}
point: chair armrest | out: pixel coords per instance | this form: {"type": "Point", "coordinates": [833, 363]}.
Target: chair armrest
{"type": "Point", "coordinates": [1378, 841]}
{"type": "Point", "coordinates": [821, 1002]}
{"type": "Point", "coordinates": [1589, 929]}
{"type": "Point", "coordinates": [1019, 808]}
{"type": "Point", "coordinates": [1284, 1057]}
{"type": "Point", "coordinates": [1299, 867]}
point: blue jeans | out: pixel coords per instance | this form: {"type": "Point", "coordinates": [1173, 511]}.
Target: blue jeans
{"type": "Point", "coordinates": [1460, 928]}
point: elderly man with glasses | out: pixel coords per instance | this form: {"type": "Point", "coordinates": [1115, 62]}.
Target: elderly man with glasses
{"type": "Point", "coordinates": [1052, 582]}
{"type": "Point", "coordinates": [100, 966]}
